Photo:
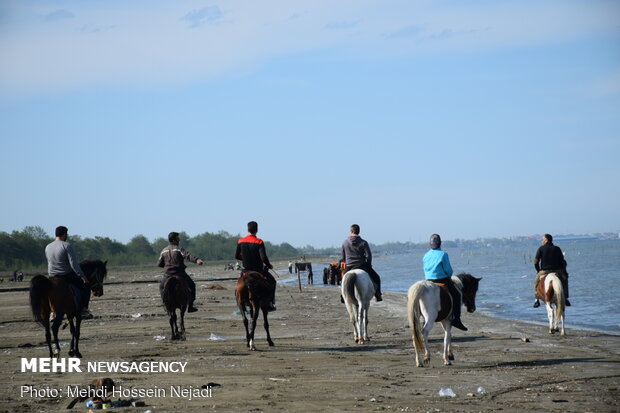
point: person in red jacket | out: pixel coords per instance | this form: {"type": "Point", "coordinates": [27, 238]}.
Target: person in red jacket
{"type": "Point", "coordinates": [251, 251]}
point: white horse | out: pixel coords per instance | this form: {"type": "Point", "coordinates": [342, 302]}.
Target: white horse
{"type": "Point", "coordinates": [555, 301]}
{"type": "Point", "coordinates": [431, 302]}
{"type": "Point", "coordinates": [357, 290]}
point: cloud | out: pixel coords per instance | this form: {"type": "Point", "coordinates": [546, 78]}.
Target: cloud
{"type": "Point", "coordinates": [342, 25]}
{"type": "Point", "coordinates": [409, 31]}
{"type": "Point", "coordinates": [59, 14]}
{"type": "Point", "coordinates": [198, 18]}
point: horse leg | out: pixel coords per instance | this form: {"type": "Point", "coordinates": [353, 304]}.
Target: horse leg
{"type": "Point", "coordinates": [182, 335]}
{"type": "Point", "coordinates": [426, 330]}
{"type": "Point", "coordinates": [55, 327]}
{"type": "Point", "coordinates": [72, 346]}
{"type": "Point", "coordinates": [78, 332]}
{"type": "Point", "coordinates": [254, 313]}
{"type": "Point", "coordinates": [550, 317]}
{"type": "Point", "coordinates": [266, 323]}
{"type": "Point", "coordinates": [245, 324]}
{"type": "Point", "coordinates": [364, 323]}
{"type": "Point", "coordinates": [172, 319]}
{"type": "Point", "coordinates": [354, 316]}
{"type": "Point", "coordinates": [447, 342]}
{"type": "Point", "coordinates": [561, 316]}
{"type": "Point", "coordinates": [48, 334]}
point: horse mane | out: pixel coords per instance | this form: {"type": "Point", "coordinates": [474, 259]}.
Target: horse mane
{"type": "Point", "coordinates": [88, 265]}
{"type": "Point", "coordinates": [468, 280]}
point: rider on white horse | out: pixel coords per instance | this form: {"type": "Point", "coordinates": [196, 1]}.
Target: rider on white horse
{"type": "Point", "coordinates": [550, 258]}
{"type": "Point", "coordinates": [437, 269]}
{"type": "Point", "coordinates": [356, 254]}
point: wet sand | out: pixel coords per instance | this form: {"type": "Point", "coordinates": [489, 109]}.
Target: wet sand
{"type": "Point", "coordinates": [315, 364]}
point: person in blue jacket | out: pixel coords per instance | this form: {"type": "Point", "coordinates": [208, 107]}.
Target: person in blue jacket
{"type": "Point", "coordinates": [437, 269]}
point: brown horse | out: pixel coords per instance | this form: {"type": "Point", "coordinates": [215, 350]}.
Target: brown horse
{"type": "Point", "coordinates": [255, 292]}
{"type": "Point", "coordinates": [54, 294]}
{"type": "Point", "coordinates": [175, 294]}
{"type": "Point", "coordinates": [551, 289]}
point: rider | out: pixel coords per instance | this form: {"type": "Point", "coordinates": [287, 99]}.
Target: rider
{"type": "Point", "coordinates": [437, 269]}
{"type": "Point", "coordinates": [172, 260]}
{"type": "Point", "coordinates": [62, 262]}
{"type": "Point", "coordinates": [357, 256]}
{"type": "Point", "coordinates": [549, 258]}
{"type": "Point", "coordinates": [251, 251]}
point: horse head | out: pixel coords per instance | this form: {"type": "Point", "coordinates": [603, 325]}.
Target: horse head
{"type": "Point", "coordinates": [470, 288]}
{"type": "Point", "coordinates": [96, 272]}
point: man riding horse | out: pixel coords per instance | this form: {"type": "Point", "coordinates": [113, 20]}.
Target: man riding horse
{"type": "Point", "coordinates": [62, 262]}
{"type": "Point", "coordinates": [172, 260]}
{"type": "Point", "coordinates": [549, 258]}
{"type": "Point", "coordinates": [251, 251]}
{"type": "Point", "coordinates": [437, 269]}
{"type": "Point", "coordinates": [356, 255]}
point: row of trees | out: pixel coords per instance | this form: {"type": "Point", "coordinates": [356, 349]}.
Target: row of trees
{"type": "Point", "coordinates": [26, 249]}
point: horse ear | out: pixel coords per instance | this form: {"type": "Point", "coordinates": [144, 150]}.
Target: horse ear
{"type": "Point", "coordinates": [478, 279]}
{"type": "Point", "coordinates": [105, 263]}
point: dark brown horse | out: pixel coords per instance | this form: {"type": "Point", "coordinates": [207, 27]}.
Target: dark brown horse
{"type": "Point", "coordinates": [255, 292]}
{"type": "Point", "coordinates": [175, 295]}
{"type": "Point", "coordinates": [49, 295]}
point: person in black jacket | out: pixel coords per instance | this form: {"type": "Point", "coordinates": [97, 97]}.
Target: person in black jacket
{"type": "Point", "coordinates": [251, 251]}
{"type": "Point", "coordinates": [549, 258]}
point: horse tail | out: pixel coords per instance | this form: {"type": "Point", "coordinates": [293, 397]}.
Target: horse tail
{"type": "Point", "coordinates": [348, 285]}
{"type": "Point", "coordinates": [40, 288]}
{"type": "Point", "coordinates": [168, 293]}
{"type": "Point", "coordinates": [558, 294]}
{"type": "Point", "coordinates": [413, 314]}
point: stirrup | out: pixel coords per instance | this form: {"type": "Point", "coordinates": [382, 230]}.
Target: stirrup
{"type": "Point", "coordinates": [192, 309]}
{"type": "Point", "coordinates": [87, 315]}
{"type": "Point", "coordinates": [536, 304]}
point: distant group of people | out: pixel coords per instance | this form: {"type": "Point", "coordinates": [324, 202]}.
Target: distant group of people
{"type": "Point", "coordinates": [356, 254]}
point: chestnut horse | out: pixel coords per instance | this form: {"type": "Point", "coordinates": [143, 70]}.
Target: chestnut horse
{"type": "Point", "coordinates": [255, 292]}
{"type": "Point", "coordinates": [551, 289]}
{"type": "Point", "coordinates": [175, 294]}
{"type": "Point", "coordinates": [54, 294]}
{"type": "Point", "coordinates": [434, 303]}
{"type": "Point", "coordinates": [357, 290]}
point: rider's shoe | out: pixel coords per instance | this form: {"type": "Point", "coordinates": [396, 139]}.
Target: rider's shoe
{"type": "Point", "coordinates": [567, 303]}
{"type": "Point", "coordinates": [192, 309]}
{"type": "Point", "coordinates": [379, 297]}
{"type": "Point", "coordinates": [456, 323]}
{"type": "Point", "coordinates": [272, 307]}
{"type": "Point", "coordinates": [87, 315]}
{"type": "Point", "coordinates": [342, 299]}
{"type": "Point", "coordinates": [536, 303]}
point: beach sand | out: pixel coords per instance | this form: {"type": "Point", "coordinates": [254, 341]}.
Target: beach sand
{"type": "Point", "coordinates": [315, 365]}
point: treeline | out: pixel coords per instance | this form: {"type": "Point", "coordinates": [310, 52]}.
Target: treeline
{"type": "Point", "coordinates": [26, 249]}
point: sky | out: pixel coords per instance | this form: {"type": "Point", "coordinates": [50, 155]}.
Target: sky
{"type": "Point", "coordinates": [464, 118]}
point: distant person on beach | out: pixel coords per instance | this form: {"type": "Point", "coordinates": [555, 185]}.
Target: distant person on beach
{"type": "Point", "coordinates": [550, 258]}
{"type": "Point", "coordinates": [62, 262]}
{"type": "Point", "coordinates": [172, 259]}
{"type": "Point", "coordinates": [437, 269]}
{"type": "Point", "coordinates": [290, 267]}
{"type": "Point", "coordinates": [251, 252]}
{"type": "Point", "coordinates": [357, 256]}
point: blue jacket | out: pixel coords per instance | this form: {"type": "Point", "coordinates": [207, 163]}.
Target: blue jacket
{"type": "Point", "coordinates": [436, 265]}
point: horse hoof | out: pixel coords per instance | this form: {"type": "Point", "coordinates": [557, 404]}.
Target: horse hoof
{"type": "Point", "coordinates": [252, 348]}
{"type": "Point", "coordinates": [361, 342]}
{"type": "Point", "coordinates": [450, 357]}
{"type": "Point", "coordinates": [271, 343]}
{"type": "Point", "coordinates": [447, 363]}
{"type": "Point", "coordinates": [78, 355]}
{"type": "Point", "coordinates": [71, 353]}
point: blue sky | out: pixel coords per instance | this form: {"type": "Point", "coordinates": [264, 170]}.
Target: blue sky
{"type": "Point", "coordinates": [469, 119]}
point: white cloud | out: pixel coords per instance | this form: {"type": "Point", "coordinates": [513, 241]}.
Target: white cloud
{"type": "Point", "coordinates": [96, 44]}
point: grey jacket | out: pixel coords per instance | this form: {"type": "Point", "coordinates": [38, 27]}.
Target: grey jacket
{"type": "Point", "coordinates": [356, 252]}
{"type": "Point", "coordinates": [61, 259]}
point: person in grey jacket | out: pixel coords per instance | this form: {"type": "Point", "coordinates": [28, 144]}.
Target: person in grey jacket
{"type": "Point", "coordinates": [356, 254]}
{"type": "Point", "coordinates": [172, 260]}
{"type": "Point", "coordinates": [62, 262]}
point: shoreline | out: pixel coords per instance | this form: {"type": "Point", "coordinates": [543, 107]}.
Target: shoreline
{"type": "Point", "coordinates": [315, 364]}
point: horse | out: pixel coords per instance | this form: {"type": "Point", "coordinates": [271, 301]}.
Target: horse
{"type": "Point", "coordinates": [552, 290]}
{"type": "Point", "coordinates": [357, 290]}
{"type": "Point", "coordinates": [49, 295]}
{"type": "Point", "coordinates": [434, 303]}
{"type": "Point", "coordinates": [255, 292]}
{"type": "Point", "coordinates": [175, 294]}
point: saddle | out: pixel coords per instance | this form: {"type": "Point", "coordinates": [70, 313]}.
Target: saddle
{"type": "Point", "coordinates": [445, 299]}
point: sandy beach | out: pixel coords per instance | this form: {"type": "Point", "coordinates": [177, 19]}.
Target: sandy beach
{"type": "Point", "coordinates": [500, 365]}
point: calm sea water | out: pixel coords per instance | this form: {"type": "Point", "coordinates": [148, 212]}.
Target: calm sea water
{"type": "Point", "coordinates": [508, 276]}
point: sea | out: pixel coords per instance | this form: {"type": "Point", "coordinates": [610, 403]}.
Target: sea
{"type": "Point", "coordinates": [506, 290]}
